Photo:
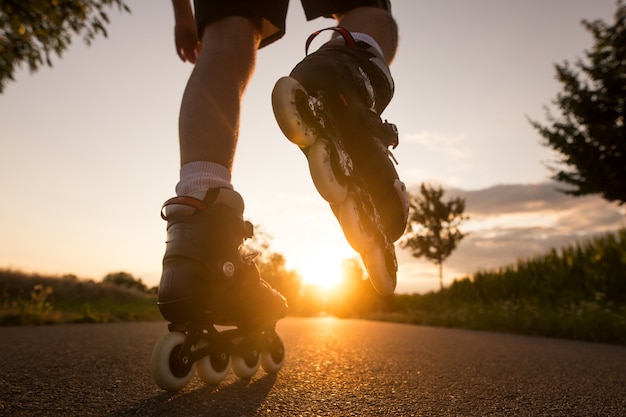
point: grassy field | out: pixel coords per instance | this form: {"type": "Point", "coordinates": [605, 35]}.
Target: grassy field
{"type": "Point", "coordinates": [34, 299]}
{"type": "Point", "coordinates": [577, 292]}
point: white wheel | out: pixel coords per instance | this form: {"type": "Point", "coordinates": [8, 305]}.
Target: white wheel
{"type": "Point", "coordinates": [213, 368]}
{"type": "Point", "coordinates": [169, 373]}
{"type": "Point", "coordinates": [246, 367]}
{"type": "Point", "coordinates": [319, 157]}
{"type": "Point", "coordinates": [285, 96]}
{"type": "Point", "coordinates": [350, 219]}
{"type": "Point", "coordinates": [383, 280]}
{"type": "Point", "coordinates": [273, 360]}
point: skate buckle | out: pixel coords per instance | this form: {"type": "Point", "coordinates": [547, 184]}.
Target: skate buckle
{"type": "Point", "coordinates": [391, 133]}
{"type": "Point", "coordinates": [386, 132]}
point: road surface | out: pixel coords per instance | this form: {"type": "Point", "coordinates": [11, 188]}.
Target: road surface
{"type": "Point", "coordinates": [333, 368]}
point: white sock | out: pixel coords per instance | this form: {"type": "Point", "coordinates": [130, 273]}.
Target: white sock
{"type": "Point", "coordinates": [199, 176]}
{"type": "Point", "coordinates": [358, 36]}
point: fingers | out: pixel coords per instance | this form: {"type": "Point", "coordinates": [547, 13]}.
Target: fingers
{"type": "Point", "coordinates": [188, 53]}
{"type": "Point", "coordinates": [187, 43]}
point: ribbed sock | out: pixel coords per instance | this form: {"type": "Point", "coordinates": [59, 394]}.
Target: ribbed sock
{"type": "Point", "coordinates": [198, 176]}
{"type": "Point", "coordinates": [358, 36]}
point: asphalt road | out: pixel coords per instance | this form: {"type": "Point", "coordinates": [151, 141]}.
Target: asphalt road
{"type": "Point", "coordinates": [333, 368]}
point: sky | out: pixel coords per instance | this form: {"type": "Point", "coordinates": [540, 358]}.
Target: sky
{"type": "Point", "coordinates": [89, 148]}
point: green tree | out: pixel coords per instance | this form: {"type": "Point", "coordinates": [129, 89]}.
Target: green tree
{"type": "Point", "coordinates": [589, 135]}
{"type": "Point", "coordinates": [124, 279]}
{"type": "Point", "coordinates": [32, 30]}
{"type": "Point", "coordinates": [433, 227]}
{"type": "Point", "coordinates": [273, 267]}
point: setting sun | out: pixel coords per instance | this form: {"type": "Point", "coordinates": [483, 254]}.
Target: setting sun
{"type": "Point", "coordinates": [323, 269]}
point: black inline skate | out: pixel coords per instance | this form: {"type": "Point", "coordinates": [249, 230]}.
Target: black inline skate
{"type": "Point", "coordinates": [206, 282]}
{"type": "Point", "coordinates": [330, 107]}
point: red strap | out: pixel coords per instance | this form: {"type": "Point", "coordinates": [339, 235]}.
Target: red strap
{"type": "Point", "coordinates": [345, 34]}
{"type": "Point", "coordinates": [185, 200]}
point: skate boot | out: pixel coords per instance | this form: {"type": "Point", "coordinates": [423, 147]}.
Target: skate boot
{"type": "Point", "coordinates": [330, 107]}
{"type": "Point", "coordinates": [208, 281]}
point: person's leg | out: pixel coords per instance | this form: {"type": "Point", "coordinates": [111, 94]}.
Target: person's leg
{"type": "Point", "coordinates": [231, 33]}
{"type": "Point", "coordinates": [209, 112]}
{"type": "Point", "coordinates": [369, 17]}
{"type": "Point", "coordinates": [374, 22]}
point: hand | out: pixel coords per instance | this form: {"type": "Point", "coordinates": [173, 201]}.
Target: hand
{"type": "Point", "coordinates": [185, 32]}
{"type": "Point", "coordinates": [187, 43]}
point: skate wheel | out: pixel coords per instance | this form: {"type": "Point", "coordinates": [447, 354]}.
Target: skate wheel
{"type": "Point", "coordinates": [350, 220]}
{"type": "Point", "coordinates": [286, 95]}
{"type": "Point", "coordinates": [404, 197]}
{"type": "Point", "coordinates": [213, 368]}
{"type": "Point", "coordinates": [319, 157]}
{"type": "Point", "coordinates": [383, 280]}
{"type": "Point", "coordinates": [246, 366]}
{"type": "Point", "coordinates": [167, 371]}
{"type": "Point", "coordinates": [274, 358]}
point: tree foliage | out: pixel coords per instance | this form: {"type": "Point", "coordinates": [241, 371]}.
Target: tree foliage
{"type": "Point", "coordinates": [590, 134]}
{"type": "Point", "coordinates": [31, 31]}
{"type": "Point", "coordinates": [273, 267]}
{"type": "Point", "coordinates": [433, 227]}
{"type": "Point", "coordinates": [124, 279]}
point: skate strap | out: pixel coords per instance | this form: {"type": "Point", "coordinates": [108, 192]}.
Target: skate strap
{"type": "Point", "coordinates": [345, 34]}
{"type": "Point", "coordinates": [184, 200]}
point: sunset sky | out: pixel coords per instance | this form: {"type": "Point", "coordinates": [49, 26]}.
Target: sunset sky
{"type": "Point", "coordinates": [89, 151]}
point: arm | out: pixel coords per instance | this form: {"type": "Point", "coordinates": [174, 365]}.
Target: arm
{"type": "Point", "coordinates": [185, 32]}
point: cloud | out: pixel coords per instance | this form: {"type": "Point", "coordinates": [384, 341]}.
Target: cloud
{"type": "Point", "coordinates": [441, 143]}
{"type": "Point", "coordinates": [509, 222]}
{"type": "Point", "coordinates": [517, 198]}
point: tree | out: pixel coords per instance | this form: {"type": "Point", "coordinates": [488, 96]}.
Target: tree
{"type": "Point", "coordinates": [590, 134]}
{"type": "Point", "coordinates": [433, 226]}
{"type": "Point", "coordinates": [273, 267]}
{"type": "Point", "coordinates": [32, 30]}
{"type": "Point", "coordinates": [124, 279]}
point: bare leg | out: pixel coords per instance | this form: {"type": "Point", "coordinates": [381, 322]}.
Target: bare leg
{"type": "Point", "coordinates": [209, 113]}
{"type": "Point", "coordinates": [377, 23]}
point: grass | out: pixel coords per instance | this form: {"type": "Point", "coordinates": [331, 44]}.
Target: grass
{"type": "Point", "coordinates": [577, 292]}
{"type": "Point", "coordinates": [32, 299]}
{"type": "Point", "coordinates": [582, 321]}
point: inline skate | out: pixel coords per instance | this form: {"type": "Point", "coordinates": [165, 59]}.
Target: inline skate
{"type": "Point", "coordinates": [207, 283]}
{"type": "Point", "coordinates": [330, 107]}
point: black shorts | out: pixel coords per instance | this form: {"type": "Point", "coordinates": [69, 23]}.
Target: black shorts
{"type": "Point", "coordinates": [271, 14]}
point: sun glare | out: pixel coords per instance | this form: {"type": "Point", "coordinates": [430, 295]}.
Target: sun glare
{"type": "Point", "coordinates": [323, 270]}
